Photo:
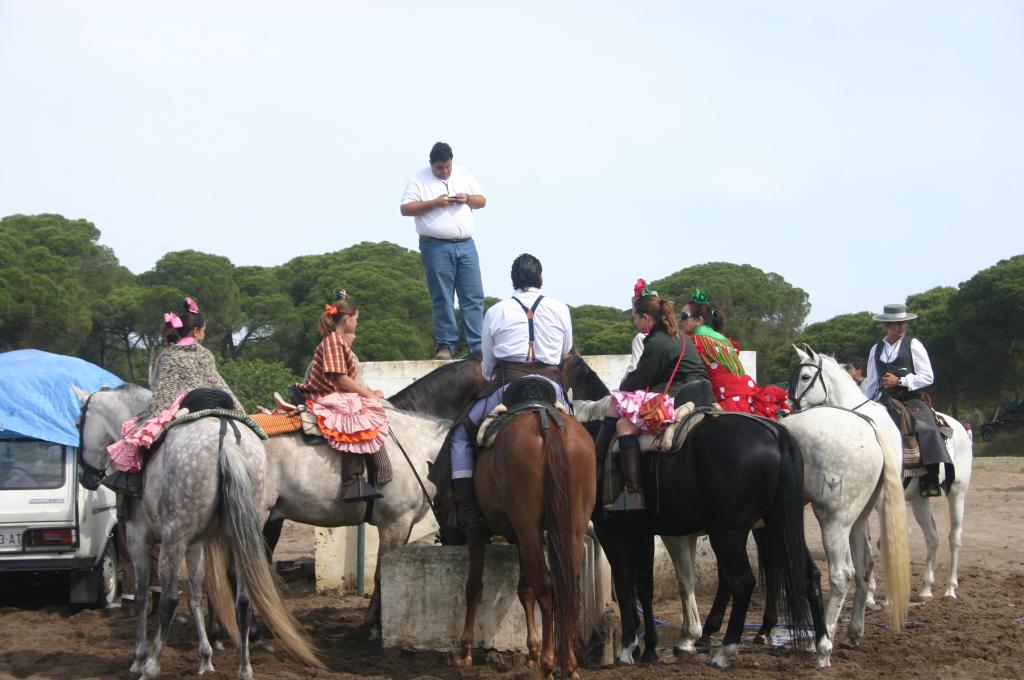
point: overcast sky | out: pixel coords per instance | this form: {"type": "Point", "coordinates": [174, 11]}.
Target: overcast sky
{"type": "Point", "coordinates": [865, 152]}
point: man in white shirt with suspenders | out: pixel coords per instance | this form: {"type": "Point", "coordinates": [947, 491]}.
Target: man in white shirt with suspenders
{"type": "Point", "coordinates": [526, 334]}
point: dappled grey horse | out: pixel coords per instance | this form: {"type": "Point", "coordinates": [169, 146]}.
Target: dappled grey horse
{"type": "Point", "coordinates": [304, 485]}
{"type": "Point", "coordinates": [201, 502]}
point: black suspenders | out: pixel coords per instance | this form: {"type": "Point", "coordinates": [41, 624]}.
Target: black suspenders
{"type": "Point", "coordinates": [529, 318]}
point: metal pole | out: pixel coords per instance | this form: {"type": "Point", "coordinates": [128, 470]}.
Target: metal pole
{"type": "Point", "coordinates": [361, 559]}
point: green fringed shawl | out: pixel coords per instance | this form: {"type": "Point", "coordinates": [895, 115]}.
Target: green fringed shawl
{"type": "Point", "coordinates": [716, 348]}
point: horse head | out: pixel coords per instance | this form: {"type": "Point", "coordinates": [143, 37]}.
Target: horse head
{"type": "Point", "coordinates": [819, 379]}
{"type": "Point", "coordinates": [579, 380]}
{"type": "Point", "coordinates": [99, 425]}
{"type": "Point", "coordinates": [443, 392]}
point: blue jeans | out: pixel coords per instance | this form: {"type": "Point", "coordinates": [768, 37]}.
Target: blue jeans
{"type": "Point", "coordinates": [454, 269]}
{"type": "Point", "coordinates": [463, 449]}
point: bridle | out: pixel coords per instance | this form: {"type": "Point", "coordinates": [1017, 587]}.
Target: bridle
{"type": "Point", "coordinates": [89, 475]}
{"type": "Point", "coordinates": [791, 392]}
{"type": "Point", "coordinates": [818, 377]}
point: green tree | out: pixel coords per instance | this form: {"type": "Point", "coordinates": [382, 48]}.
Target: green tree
{"type": "Point", "coordinates": [254, 381]}
{"type": "Point", "coordinates": [53, 278]}
{"type": "Point", "coordinates": [845, 336]}
{"type": "Point", "coordinates": [601, 330]}
{"type": "Point", "coordinates": [988, 310]}
{"type": "Point", "coordinates": [936, 328]}
{"type": "Point", "coordinates": [764, 312]}
{"type": "Point", "coordinates": [209, 279]}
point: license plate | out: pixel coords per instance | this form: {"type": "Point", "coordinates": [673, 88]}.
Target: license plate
{"type": "Point", "coordinates": [10, 539]}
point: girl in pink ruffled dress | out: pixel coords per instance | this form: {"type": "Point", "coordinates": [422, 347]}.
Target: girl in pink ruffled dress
{"type": "Point", "coordinates": [350, 415]}
{"type": "Point", "coordinates": [183, 366]}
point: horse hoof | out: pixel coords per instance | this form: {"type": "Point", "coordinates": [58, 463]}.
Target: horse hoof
{"type": "Point", "coordinates": [761, 640]}
{"type": "Point", "coordinates": [925, 595]}
{"type": "Point", "coordinates": [206, 666]}
{"type": "Point", "coordinates": [684, 649]}
{"type": "Point", "coordinates": [703, 645]}
{"type": "Point", "coordinates": [464, 661]}
{"type": "Point", "coordinates": [649, 657]}
{"type": "Point", "coordinates": [849, 643]}
{"type": "Point", "coordinates": [950, 595]}
{"type": "Point", "coordinates": [137, 666]}
{"type": "Point", "coordinates": [720, 661]}
{"type": "Point", "coordinates": [151, 669]}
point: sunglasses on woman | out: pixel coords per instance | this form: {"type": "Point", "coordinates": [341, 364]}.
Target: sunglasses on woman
{"type": "Point", "coordinates": [683, 316]}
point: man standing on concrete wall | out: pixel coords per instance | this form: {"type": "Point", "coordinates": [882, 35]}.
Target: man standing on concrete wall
{"type": "Point", "coordinates": [442, 198]}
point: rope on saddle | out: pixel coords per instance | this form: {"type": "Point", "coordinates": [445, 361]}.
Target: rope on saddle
{"type": "Point", "coordinates": [220, 413]}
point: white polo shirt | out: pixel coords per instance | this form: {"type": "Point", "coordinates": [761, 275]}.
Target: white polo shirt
{"type": "Point", "coordinates": [454, 221]}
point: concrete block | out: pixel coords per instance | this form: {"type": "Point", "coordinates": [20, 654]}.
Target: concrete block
{"type": "Point", "coordinates": [423, 603]}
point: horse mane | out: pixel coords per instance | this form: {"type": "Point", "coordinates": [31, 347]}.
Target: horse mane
{"type": "Point", "coordinates": [425, 390]}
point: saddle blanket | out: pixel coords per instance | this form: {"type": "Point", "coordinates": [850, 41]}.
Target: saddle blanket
{"type": "Point", "coordinates": [686, 418]}
{"type": "Point", "coordinates": [278, 423]}
{"type": "Point", "coordinates": [485, 438]}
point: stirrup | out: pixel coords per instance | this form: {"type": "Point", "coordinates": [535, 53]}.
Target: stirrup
{"type": "Point", "coordinates": [628, 501]}
{"type": "Point", "coordinates": [360, 490]}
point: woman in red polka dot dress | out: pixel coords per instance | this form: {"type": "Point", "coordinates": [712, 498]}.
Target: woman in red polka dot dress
{"type": "Point", "coordinates": [734, 389]}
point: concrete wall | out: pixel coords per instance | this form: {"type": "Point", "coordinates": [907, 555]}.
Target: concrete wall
{"type": "Point", "coordinates": [336, 548]}
{"type": "Point", "coordinates": [425, 582]}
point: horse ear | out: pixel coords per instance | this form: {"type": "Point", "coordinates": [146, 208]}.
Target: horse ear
{"type": "Point", "coordinates": [800, 353]}
{"type": "Point", "coordinates": [810, 351]}
{"type": "Point", "coordinates": [82, 396]}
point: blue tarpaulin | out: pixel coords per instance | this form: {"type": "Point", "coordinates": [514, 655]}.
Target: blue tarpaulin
{"type": "Point", "coordinates": [36, 399]}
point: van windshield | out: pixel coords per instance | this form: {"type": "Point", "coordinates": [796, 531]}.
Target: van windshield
{"type": "Point", "coordinates": [31, 464]}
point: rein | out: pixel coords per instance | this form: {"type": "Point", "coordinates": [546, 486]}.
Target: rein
{"type": "Point", "coordinates": [95, 474]}
{"type": "Point", "coordinates": [416, 474]}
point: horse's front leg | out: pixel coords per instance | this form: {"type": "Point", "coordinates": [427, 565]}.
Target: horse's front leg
{"type": "Point", "coordinates": [956, 501]}
{"type": "Point", "coordinates": [860, 544]}
{"type": "Point", "coordinates": [529, 599]}
{"type": "Point", "coordinates": [645, 594]}
{"type": "Point", "coordinates": [474, 587]}
{"type": "Point", "coordinates": [139, 547]}
{"type": "Point", "coordinates": [923, 515]}
{"type": "Point", "coordinates": [683, 551]}
{"type": "Point", "coordinates": [171, 554]}
{"type": "Point", "coordinates": [194, 564]}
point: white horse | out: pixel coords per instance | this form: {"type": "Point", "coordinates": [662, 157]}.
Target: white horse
{"type": "Point", "coordinates": [823, 381]}
{"type": "Point", "coordinates": [849, 465]}
{"type": "Point", "coordinates": [201, 502]}
{"type": "Point", "coordinates": [304, 485]}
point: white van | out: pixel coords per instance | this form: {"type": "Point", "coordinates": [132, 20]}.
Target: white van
{"type": "Point", "coordinates": [48, 521]}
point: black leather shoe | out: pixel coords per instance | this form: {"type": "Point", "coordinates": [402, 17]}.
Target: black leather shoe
{"type": "Point", "coordinates": [128, 483]}
{"type": "Point", "coordinates": [928, 487]}
{"type": "Point", "coordinates": [467, 512]}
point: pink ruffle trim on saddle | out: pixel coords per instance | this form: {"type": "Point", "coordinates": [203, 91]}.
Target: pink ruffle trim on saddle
{"type": "Point", "coordinates": [126, 454]}
{"type": "Point", "coordinates": [347, 413]}
{"type": "Point", "coordinates": [628, 405]}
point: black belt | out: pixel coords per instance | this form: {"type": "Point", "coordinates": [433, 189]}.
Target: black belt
{"type": "Point", "coordinates": [449, 240]}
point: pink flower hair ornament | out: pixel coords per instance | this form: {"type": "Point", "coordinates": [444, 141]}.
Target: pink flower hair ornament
{"type": "Point", "coordinates": [191, 305]}
{"type": "Point", "coordinates": [173, 319]}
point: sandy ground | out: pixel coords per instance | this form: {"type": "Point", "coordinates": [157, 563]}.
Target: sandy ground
{"type": "Point", "coordinates": [979, 635]}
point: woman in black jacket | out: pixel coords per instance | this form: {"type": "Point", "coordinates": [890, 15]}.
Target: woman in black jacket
{"type": "Point", "coordinates": [663, 346]}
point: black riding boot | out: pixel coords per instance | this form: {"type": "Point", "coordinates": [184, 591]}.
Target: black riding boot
{"type": "Point", "coordinates": [128, 483]}
{"type": "Point", "coordinates": [632, 497]}
{"type": "Point", "coordinates": [467, 512]}
{"type": "Point", "coordinates": [603, 441]}
{"type": "Point", "coordinates": [354, 488]}
{"type": "Point", "coordinates": [928, 485]}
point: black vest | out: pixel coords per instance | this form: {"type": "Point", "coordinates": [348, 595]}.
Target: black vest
{"type": "Point", "coordinates": [902, 365]}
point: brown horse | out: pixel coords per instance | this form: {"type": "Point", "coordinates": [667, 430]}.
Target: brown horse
{"type": "Point", "coordinates": [534, 479]}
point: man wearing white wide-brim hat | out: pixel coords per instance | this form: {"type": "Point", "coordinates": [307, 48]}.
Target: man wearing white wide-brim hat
{"type": "Point", "coordinates": [899, 368]}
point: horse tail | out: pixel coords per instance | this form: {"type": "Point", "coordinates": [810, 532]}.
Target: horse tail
{"type": "Point", "coordinates": [785, 518]}
{"type": "Point", "coordinates": [218, 590]}
{"type": "Point", "coordinates": [895, 551]}
{"type": "Point", "coordinates": [558, 521]}
{"type": "Point", "coordinates": [241, 520]}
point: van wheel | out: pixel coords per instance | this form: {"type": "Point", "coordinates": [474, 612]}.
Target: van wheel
{"type": "Point", "coordinates": [107, 572]}
{"type": "Point", "coordinates": [987, 433]}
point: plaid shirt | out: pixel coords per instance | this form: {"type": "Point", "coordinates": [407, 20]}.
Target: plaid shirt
{"type": "Point", "coordinates": [332, 356]}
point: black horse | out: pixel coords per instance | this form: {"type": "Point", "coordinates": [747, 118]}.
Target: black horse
{"type": "Point", "coordinates": [732, 472]}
